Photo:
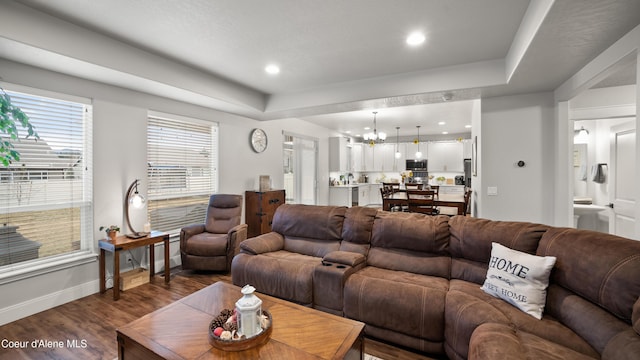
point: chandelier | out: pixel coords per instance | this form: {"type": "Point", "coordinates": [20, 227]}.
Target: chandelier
{"type": "Point", "coordinates": [374, 136]}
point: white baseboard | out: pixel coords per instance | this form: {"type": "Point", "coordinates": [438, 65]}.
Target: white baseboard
{"type": "Point", "coordinates": [33, 306]}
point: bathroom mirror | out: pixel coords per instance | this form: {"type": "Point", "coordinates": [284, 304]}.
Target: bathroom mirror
{"type": "Point", "coordinates": [580, 161]}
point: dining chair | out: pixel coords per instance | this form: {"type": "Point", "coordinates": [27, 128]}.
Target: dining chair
{"type": "Point", "coordinates": [422, 201]}
{"type": "Point", "coordinates": [385, 192]}
{"type": "Point", "coordinates": [393, 186]}
{"type": "Point", "coordinates": [435, 188]}
{"type": "Point", "coordinates": [413, 186]}
{"type": "Point", "coordinates": [467, 202]}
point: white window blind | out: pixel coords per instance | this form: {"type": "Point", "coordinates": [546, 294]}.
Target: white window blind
{"type": "Point", "coordinates": [182, 171]}
{"type": "Point", "coordinates": [45, 197]}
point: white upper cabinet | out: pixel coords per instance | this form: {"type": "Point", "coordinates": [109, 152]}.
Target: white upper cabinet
{"type": "Point", "coordinates": [445, 156]}
{"type": "Point", "coordinates": [339, 154]}
{"type": "Point", "coordinates": [357, 157]}
{"type": "Point", "coordinates": [466, 146]}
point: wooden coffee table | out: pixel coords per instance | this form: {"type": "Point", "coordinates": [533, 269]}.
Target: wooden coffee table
{"type": "Point", "coordinates": [180, 331]}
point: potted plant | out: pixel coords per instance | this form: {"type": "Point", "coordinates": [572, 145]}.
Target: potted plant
{"type": "Point", "coordinates": [441, 179]}
{"type": "Point", "coordinates": [112, 231]}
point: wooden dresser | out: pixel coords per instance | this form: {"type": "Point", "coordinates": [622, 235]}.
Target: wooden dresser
{"type": "Point", "coordinates": [260, 207]}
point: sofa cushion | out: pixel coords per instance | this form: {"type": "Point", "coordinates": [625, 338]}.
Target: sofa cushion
{"type": "Point", "coordinates": [411, 231]}
{"type": "Point", "coordinates": [225, 211]}
{"type": "Point", "coordinates": [471, 239]}
{"type": "Point", "coordinates": [309, 221]}
{"type": "Point", "coordinates": [207, 244]}
{"type": "Point", "coordinates": [282, 274]}
{"type": "Point", "coordinates": [591, 322]}
{"type": "Point", "coordinates": [468, 307]}
{"type": "Point", "coordinates": [415, 303]}
{"type": "Point", "coordinates": [499, 341]}
{"type": "Point", "coordinates": [310, 247]}
{"type": "Point", "coordinates": [610, 277]}
{"type": "Point", "coordinates": [518, 278]}
{"type": "Point", "coordinates": [410, 261]}
{"type": "Point", "coordinates": [357, 229]}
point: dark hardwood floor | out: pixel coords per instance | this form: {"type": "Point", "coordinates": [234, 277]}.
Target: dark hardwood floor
{"type": "Point", "coordinates": [85, 328]}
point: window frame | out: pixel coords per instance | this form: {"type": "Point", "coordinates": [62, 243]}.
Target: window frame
{"type": "Point", "coordinates": [215, 150]}
{"type": "Point", "coordinates": [86, 254]}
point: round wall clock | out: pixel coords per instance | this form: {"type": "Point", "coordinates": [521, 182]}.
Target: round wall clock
{"type": "Point", "coordinates": [258, 140]}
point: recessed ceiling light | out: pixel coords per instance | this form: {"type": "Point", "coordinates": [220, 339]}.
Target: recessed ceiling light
{"type": "Point", "coordinates": [445, 132]}
{"type": "Point", "coordinates": [441, 123]}
{"type": "Point", "coordinates": [415, 38]}
{"type": "Point", "coordinates": [467, 126]}
{"type": "Point", "coordinates": [348, 131]}
{"type": "Point", "coordinates": [272, 69]}
{"type": "Point", "coordinates": [367, 128]}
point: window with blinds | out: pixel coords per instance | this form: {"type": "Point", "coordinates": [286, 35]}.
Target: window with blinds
{"type": "Point", "coordinates": [45, 196]}
{"type": "Point", "coordinates": [181, 171]}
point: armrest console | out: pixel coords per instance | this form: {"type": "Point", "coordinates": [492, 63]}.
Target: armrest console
{"type": "Point", "coordinates": [344, 258]}
{"type": "Point", "coordinates": [329, 278]}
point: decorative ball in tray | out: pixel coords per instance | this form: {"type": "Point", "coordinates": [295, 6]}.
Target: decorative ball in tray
{"type": "Point", "coordinates": [224, 335]}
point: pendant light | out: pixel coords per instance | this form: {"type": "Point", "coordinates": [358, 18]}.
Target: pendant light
{"type": "Point", "coordinates": [418, 153]}
{"type": "Point", "coordinates": [398, 154]}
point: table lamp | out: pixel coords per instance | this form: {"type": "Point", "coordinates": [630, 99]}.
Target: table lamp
{"type": "Point", "coordinates": [135, 200]}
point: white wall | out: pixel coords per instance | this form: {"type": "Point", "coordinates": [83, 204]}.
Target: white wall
{"type": "Point", "coordinates": [515, 128]}
{"type": "Point", "coordinates": [120, 118]}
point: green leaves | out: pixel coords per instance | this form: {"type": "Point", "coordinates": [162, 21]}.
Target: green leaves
{"type": "Point", "coordinates": [10, 116]}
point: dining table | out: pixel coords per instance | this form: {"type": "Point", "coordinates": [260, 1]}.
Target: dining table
{"type": "Point", "coordinates": [399, 198]}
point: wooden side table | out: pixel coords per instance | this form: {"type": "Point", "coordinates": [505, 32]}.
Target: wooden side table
{"type": "Point", "coordinates": [124, 243]}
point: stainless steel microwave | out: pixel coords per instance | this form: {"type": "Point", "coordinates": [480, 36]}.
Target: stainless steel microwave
{"type": "Point", "coordinates": [416, 164]}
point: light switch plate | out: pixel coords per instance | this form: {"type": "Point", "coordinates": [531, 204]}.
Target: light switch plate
{"type": "Point", "coordinates": [492, 191]}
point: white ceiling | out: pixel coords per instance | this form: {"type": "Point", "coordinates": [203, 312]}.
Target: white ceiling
{"type": "Point", "coordinates": [340, 60]}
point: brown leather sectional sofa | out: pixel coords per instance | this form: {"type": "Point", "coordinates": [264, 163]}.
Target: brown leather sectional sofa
{"type": "Point", "coordinates": [415, 280]}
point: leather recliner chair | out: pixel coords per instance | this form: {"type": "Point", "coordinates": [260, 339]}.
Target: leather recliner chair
{"type": "Point", "coordinates": [212, 245]}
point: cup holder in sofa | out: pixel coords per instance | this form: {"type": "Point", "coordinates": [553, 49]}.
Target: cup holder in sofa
{"type": "Point", "coordinates": [324, 263]}
{"type": "Point", "coordinates": [341, 267]}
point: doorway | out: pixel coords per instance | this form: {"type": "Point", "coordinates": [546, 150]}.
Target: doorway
{"type": "Point", "coordinates": [603, 122]}
{"type": "Point", "coordinates": [300, 154]}
{"type": "Point", "coordinates": [603, 175]}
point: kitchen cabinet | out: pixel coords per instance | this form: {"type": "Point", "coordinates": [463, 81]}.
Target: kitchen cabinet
{"type": "Point", "coordinates": [339, 154]}
{"type": "Point", "coordinates": [466, 148]}
{"type": "Point", "coordinates": [387, 158]}
{"type": "Point", "coordinates": [260, 207]}
{"type": "Point", "coordinates": [375, 198]}
{"type": "Point", "coordinates": [357, 157]}
{"type": "Point", "coordinates": [344, 195]}
{"type": "Point", "coordinates": [379, 157]}
{"type": "Point", "coordinates": [363, 194]}
{"type": "Point", "coordinates": [355, 195]}
{"type": "Point", "coordinates": [400, 163]}
{"type": "Point", "coordinates": [451, 189]}
{"type": "Point", "coordinates": [445, 156]}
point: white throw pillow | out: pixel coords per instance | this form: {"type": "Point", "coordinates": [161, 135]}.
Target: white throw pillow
{"type": "Point", "coordinates": [519, 278]}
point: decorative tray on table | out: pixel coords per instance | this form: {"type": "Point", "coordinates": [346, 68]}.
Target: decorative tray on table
{"type": "Point", "coordinates": [229, 339]}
